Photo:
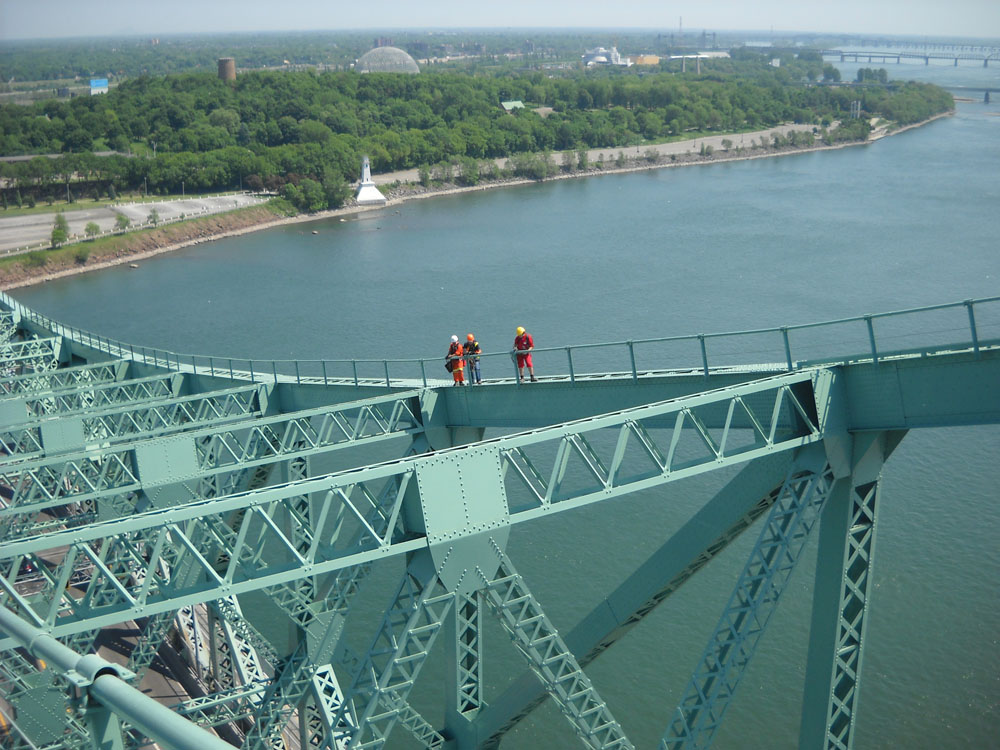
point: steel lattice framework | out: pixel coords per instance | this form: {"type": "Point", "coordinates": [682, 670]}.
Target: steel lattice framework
{"type": "Point", "coordinates": [233, 514]}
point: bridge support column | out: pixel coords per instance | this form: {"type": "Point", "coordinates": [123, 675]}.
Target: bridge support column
{"type": "Point", "coordinates": [840, 597]}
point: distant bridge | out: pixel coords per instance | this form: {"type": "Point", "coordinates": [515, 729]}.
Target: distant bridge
{"type": "Point", "coordinates": [193, 497]}
{"type": "Point", "coordinates": [886, 56]}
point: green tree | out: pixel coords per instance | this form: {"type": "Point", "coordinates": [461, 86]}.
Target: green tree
{"type": "Point", "coordinates": [92, 229]}
{"type": "Point", "coordinates": [153, 217]}
{"type": "Point", "coordinates": [60, 230]}
{"type": "Point", "coordinates": [122, 222]}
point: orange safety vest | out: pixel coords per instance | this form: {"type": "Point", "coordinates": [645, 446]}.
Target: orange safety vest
{"type": "Point", "coordinates": [455, 350]}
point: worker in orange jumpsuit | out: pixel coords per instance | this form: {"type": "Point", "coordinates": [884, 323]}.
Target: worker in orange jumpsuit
{"type": "Point", "coordinates": [456, 362]}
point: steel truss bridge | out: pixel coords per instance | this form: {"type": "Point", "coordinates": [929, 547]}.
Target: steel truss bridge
{"type": "Point", "coordinates": [193, 497]}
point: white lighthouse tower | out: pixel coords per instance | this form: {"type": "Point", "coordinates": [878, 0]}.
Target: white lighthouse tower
{"type": "Point", "coordinates": [368, 194]}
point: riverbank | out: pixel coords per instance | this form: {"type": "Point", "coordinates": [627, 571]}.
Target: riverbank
{"type": "Point", "coordinates": [404, 186]}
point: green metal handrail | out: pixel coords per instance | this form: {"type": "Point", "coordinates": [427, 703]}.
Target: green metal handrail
{"type": "Point", "coordinates": [389, 370]}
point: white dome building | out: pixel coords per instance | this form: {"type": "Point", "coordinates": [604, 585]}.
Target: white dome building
{"type": "Point", "coordinates": [386, 60]}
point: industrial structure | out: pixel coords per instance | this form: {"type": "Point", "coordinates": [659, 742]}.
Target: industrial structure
{"type": "Point", "coordinates": [229, 512]}
{"type": "Point", "coordinates": [227, 69]}
{"type": "Point", "coordinates": [602, 56]}
{"type": "Point", "coordinates": [386, 60]}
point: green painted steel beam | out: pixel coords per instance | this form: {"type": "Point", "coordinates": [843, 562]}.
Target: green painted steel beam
{"type": "Point", "coordinates": [87, 397]}
{"type": "Point", "coordinates": [116, 472]}
{"type": "Point", "coordinates": [33, 438]}
{"type": "Point", "coordinates": [841, 598]}
{"type": "Point", "coordinates": [31, 355]}
{"type": "Point", "coordinates": [53, 381]}
{"type": "Point", "coordinates": [711, 530]}
{"type": "Point", "coordinates": [405, 526]}
{"type": "Point", "coordinates": [745, 618]}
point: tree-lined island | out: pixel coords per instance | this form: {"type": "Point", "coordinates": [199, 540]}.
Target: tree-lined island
{"type": "Point", "coordinates": [301, 134]}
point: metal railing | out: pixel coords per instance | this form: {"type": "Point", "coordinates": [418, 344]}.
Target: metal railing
{"type": "Point", "coordinates": [967, 325]}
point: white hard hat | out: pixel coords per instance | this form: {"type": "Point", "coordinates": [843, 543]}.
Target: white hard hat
{"type": "Point", "coordinates": [454, 338]}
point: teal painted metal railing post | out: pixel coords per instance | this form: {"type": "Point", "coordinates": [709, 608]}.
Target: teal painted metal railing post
{"type": "Point", "coordinates": [972, 327]}
{"type": "Point", "coordinates": [423, 373]}
{"type": "Point", "coordinates": [252, 380]}
{"type": "Point", "coordinates": [354, 362]}
{"type": "Point", "coordinates": [385, 365]}
{"type": "Point", "coordinates": [324, 372]}
{"type": "Point", "coordinates": [704, 353]}
{"type": "Point", "coordinates": [274, 371]}
{"type": "Point", "coordinates": [194, 366]}
{"type": "Point", "coordinates": [517, 373]}
{"type": "Point", "coordinates": [298, 378]}
{"type": "Point", "coordinates": [631, 356]}
{"type": "Point", "coordinates": [871, 337]}
{"type": "Point", "coordinates": [569, 356]}
{"type": "Point", "coordinates": [230, 368]}
{"type": "Point", "coordinates": [788, 348]}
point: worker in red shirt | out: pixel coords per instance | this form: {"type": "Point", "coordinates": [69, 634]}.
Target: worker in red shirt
{"type": "Point", "coordinates": [456, 362]}
{"type": "Point", "coordinates": [524, 343]}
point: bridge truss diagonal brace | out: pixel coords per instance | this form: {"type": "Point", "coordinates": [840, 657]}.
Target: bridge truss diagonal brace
{"type": "Point", "coordinates": [841, 598]}
{"type": "Point", "coordinates": [745, 618]}
{"type": "Point", "coordinates": [398, 651]}
{"type": "Point", "coordinates": [550, 659]}
{"type": "Point", "coordinates": [722, 519]}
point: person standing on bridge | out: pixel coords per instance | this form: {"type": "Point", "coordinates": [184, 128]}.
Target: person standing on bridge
{"type": "Point", "coordinates": [472, 352]}
{"type": "Point", "coordinates": [455, 363]}
{"type": "Point", "coordinates": [524, 343]}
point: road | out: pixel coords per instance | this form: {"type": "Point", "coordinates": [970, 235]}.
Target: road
{"type": "Point", "coordinates": [34, 230]}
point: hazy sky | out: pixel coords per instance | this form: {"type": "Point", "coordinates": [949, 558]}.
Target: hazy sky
{"type": "Point", "coordinates": [29, 19]}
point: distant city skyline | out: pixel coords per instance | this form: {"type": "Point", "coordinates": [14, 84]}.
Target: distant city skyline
{"type": "Point", "coordinates": [39, 19]}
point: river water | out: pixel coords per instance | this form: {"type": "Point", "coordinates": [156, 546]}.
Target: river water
{"type": "Point", "coordinates": [905, 222]}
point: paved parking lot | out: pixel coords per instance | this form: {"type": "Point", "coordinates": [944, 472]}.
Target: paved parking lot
{"type": "Point", "coordinates": [31, 231]}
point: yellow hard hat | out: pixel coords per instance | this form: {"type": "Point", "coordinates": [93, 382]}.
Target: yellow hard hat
{"type": "Point", "coordinates": [520, 330]}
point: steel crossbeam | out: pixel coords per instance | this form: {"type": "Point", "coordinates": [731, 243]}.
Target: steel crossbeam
{"type": "Point", "coordinates": [31, 354]}
{"type": "Point", "coordinates": [222, 454]}
{"type": "Point", "coordinates": [223, 706]}
{"type": "Point", "coordinates": [27, 438]}
{"type": "Point", "coordinates": [62, 378]}
{"type": "Point", "coordinates": [29, 357]}
{"type": "Point", "coordinates": [8, 326]}
{"type": "Point", "coordinates": [86, 397]}
{"type": "Point", "coordinates": [350, 496]}
{"type": "Point", "coordinates": [746, 616]}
